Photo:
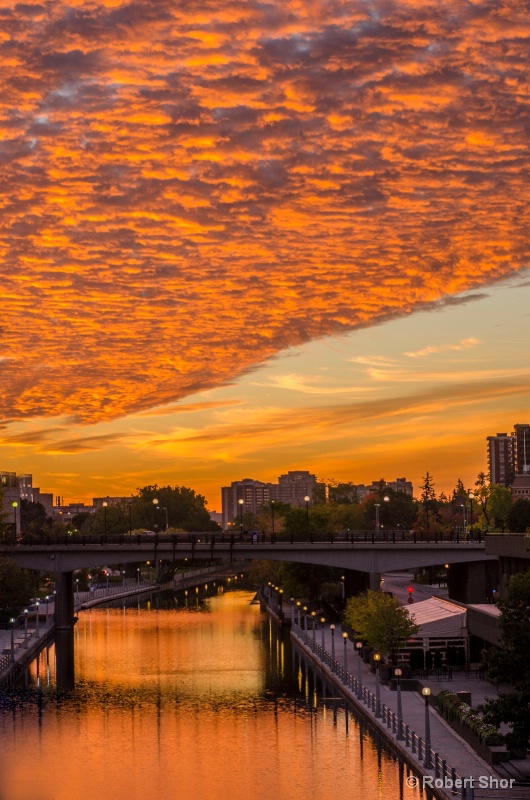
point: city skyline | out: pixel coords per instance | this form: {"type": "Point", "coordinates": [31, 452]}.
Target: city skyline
{"type": "Point", "coordinates": [245, 239]}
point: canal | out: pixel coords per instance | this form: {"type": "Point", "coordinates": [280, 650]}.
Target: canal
{"type": "Point", "coordinates": [186, 700]}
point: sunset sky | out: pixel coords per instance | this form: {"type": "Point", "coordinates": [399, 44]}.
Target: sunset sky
{"type": "Point", "coordinates": [239, 238]}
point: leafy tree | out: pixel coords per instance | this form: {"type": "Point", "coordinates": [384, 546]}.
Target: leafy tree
{"type": "Point", "coordinates": [518, 517]}
{"type": "Point", "coordinates": [17, 586]}
{"type": "Point", "coordinates": [4, 526]}
{"type": "Point", "coordinates": [33, 518]}
{"type": "Point", "coordinates": [381, 621]}
{"type": "Point", "coordinates": [511, 664]}
{"type": "Point", "coordinates": [482, 494]}
{"type": "Point", "coordinates": [499, 505]}
{"type": "Point", "coordinates": [428, 518]}
{"type": "Point", "coordinates": [459, 490]}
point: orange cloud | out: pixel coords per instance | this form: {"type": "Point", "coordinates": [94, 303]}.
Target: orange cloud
{"type": "Point", "coordinates": [185, 192]}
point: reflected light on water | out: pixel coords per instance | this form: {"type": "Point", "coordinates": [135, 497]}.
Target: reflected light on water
{"type": "Point", "coordinates": [183, 705]}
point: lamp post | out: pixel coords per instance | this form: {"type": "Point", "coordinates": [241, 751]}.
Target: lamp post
{"type": "Point", "coordinates": [155, 503]}
{"type": "Point", "coordinates": [470, 495]}
{"type": "Point", "coordinates": [25, 627]}
{"type": "Point", "coordinates": [47, 610]}
{"type": "Point", "coordinates": [398, 673]}
{"type": "Point", "coordinates": [298, 606]}
{"type": "Point", "coordinates": [359, 647]}
{"type": "Point", "coordinates": [377, 516]}
{"type": "Point", "coordinates": [241, 503]}
{"type": "Point", "coordinates": [313, 621]}
{"type": "Point", "coordinates": [167, 525]}
{"type": "Point", "coordinates": [292, 612]}
{"type": "Point", "coordinates": [377, 659]}
{"type": "Point", "coordinates": [427, 760]}
{"type": "Point", "coordinates": [345, 639]}
{"type": "Point", "coordinates": [323, 622]}
{"type": "Point", "coordinates": [37, 619]}
{"type": "Point", "coordinates": [137, 574]}
{"type": "Point", "coordinates": [12, 621]}
{"type": "Point", "coordinates": [104, 504]}
{"type": "Point", "coordinates": [123, 577]}
{"type": "Point", "coordinates": [332, 629]}
{"type": "Point", "coordinates": [272, 517]}
{"type": "Point", "coordinates": [343, 586]}
{"type": "Point", "coordinates": [305, 609]}
{"type": "Point", "coordinates": [386, 500]}
{"type": "Point", "coordinates": [130, 521]}
{"type": "Point", "coordinates": [15, 506]}
{"type": "Point", "coordinates": [148, 571]}
{"type": "Point", "coordinates": [307, 498]}
{"type": "Point", "coordinates": [463, 507]}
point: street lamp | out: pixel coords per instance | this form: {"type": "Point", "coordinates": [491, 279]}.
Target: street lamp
{"type": "Point", "coordinates": [463, 507]}
{"type": "Point", "coordinates": [305, 610]}
{"type": "Point", "coordinates": [155, 503]}
{"type": "Point", "coordinates": [307, 499]}
{"type": "Point", "coordinates": [313, 620]}
{"type": "Point", "coordinates": [376, 516]}
{"type": "Point", "coordinates": [241, 503]}
{"type": "Point", "coordinates": [12, 621]}
{"type": "Point", "coordinates": [377, 659]}
{"type": "Point", "coordinates": [37, 620]}
{"type": "Point", "coordinates": [427, 760]}
{"type": "Point", "coordinates": [298, 606]}
{"type": "Point", "coordinates": [386, 500]}
{"type": "Point", "coordinates": [332, 629]}
{"type": "Point", "coordinates": [167, 525]}
{"type": "Point", "coordinates": [343, 582]}
{"type": "Point", "coordinates": [292, 609]}
{"type": "Point", "coordinates": [323, 622]}
{"type": "Point", "coordinates": [398, 673]}
{"type": "Point", "coordinates": [105, 504]}
{"type": "Point", "coordinates": [15, 506]}
{"type": "Point", "coordinates": [137, 574]}
{"type": "Point", "coordinates": [359, 647]}
{"type": "Point", "coordinates": [25, 627]}
{"type": "Point", "coordinates": [345, 638]}
{"type": "Point", "coordinates": [470, 495]}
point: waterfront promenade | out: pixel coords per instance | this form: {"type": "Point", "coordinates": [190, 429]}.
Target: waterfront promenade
{"type": "Point", "coordinates": [450, 756]}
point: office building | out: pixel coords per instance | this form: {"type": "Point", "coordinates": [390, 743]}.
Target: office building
{"type": "Point", "coordinates": [501, 458]}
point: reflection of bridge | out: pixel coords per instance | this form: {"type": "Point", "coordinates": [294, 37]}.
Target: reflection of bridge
{"type": "Point", "coordinates": [360, 554]}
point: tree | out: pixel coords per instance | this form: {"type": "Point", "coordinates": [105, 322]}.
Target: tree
{"type": "Point", "coordinates": [4, 526]}
{"type": "Point", "coordinates": [482, 494]}
{"type": "Point", "coordinates": [381, 621]}
{"type": "Point", "coordinates": [33, 518]}
{"type": "Point", "coordinates": [499, 504]}
{"type": "Point", "coordinates": [518, 518]}
{"type": "Point", "coordinates": [17, 586]}
{"type": "Point", "coordinates": [511, 664]}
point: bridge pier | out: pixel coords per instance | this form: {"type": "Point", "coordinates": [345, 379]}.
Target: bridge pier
{"type": "Point", "coordinates": [64, 629]}
{"type": "Point", "coordinates": [472, 582]}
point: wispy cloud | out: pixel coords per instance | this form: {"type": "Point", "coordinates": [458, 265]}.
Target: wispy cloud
{"type": "Point", "coordinates": [463, 344]}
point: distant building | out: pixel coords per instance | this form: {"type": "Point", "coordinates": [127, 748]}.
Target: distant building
{"type": "Point", "coordinates": [521, 435]}
{"type": "Point", "coordinates": [216, 516]}
{"type": "Point", "coordinates": [521, 487]}
{"type": "Point", "coordinates": [399, 485]}
{"type": "Point", "coordinates": [501, 458]}
{"type": "Point", "coordinates": [17, 488]}
{"type": "Point", "coordinates": [253, 494]}
{"type": "Point", "coordinates": [296, 485]}
{"type": "Point", "coordinates": [65, 513]}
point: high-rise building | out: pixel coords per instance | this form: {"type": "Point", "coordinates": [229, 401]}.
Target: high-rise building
{"type": "Point", "coordinates": [253, 494]}
{"type": "Point", "coordinates": [521, 435]}
{"type": "Point", "coordinates": [296, 485]}
{"type": "Point", "coordinates": [501, 458]}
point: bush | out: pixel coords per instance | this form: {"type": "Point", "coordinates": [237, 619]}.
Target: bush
{"type": "Point", "coordinates": [453, 709]}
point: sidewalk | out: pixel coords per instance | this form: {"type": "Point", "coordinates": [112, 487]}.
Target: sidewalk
{"type": "Point", "coordinates": [457, 754]}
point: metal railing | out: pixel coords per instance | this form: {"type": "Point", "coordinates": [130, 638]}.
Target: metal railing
{"type": "Point", "coordinates": [383, 537]}
{"type": "Point", "coordinates": [383, 715]}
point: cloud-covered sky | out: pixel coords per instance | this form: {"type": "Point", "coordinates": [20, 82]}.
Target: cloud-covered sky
{"type": "Point", "coordinates": [188, 191]}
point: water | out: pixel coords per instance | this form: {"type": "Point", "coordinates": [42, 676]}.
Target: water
{"type": "Point", "coordinates": [185, 704]}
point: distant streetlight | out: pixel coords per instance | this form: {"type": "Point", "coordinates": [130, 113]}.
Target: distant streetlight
{"type": "Point", "coordinates": [427, 760]}
{"type": "Point", "coordinates": [15, 506]}
{"type": "Point", "coordinates": [167, 525]}
{"type": "Point", "coordinates": [37, 619]}
{"type": "Point", "coordinates": [155, 503]}
{"type": "Point", "coordinates": [105, 504]}
{"type": "Point", "coordinates": [343, 582]}
{"type": "Point", "coordinates": [307, 499]}
{"type": "Point", "coordinates": [292, 609]}
{"type": "Point", "coordinates": [12, 620]}
{"type": "Point", "coordinates": [470, 495]}
{"type": "Point", "coordinates": [25, 627]}
{"type": "Point", "coordinates": [313, 621]}
{"type": "Point", "coordinates": [376, 516]}
{"type": "Point", "coordinates": [398, 673]}
{"type": "Point", "coordinates": [332, 629]}
{"type": "Point", "coordinates": [386, 500]}
{"type": "Point", "coordinates": [345, 638]}
{"type": "Point", "coordinates": [359, 647]}
{"type": "Point", "coordinates": [377, 659]}
{"type": "Point", "coordinates": [241, 503]}
{"type": "Point", "coordinates": [463, 507]}
{"type": "Point", "coordinates": [323, 622]}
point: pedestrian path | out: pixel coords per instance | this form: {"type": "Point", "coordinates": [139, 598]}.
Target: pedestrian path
{"type": "Point", "coordinates": [450, 757]}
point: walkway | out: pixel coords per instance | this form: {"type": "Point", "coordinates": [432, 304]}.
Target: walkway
{"type": "Point", "coordinates": [449, 752]}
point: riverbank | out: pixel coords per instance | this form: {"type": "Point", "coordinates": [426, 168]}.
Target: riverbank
{"type": "Point", "coordinates": [449, 760]}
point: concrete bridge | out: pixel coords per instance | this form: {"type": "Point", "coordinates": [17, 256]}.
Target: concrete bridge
{"type": "Point", "coordinates": [363, 556]}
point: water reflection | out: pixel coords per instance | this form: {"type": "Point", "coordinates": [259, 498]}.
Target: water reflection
{"type": "Point", "coordinates": [171, 704]}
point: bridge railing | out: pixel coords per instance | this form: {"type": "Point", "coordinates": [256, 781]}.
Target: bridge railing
{"type": "Point", "coordinates": [210, 540]}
